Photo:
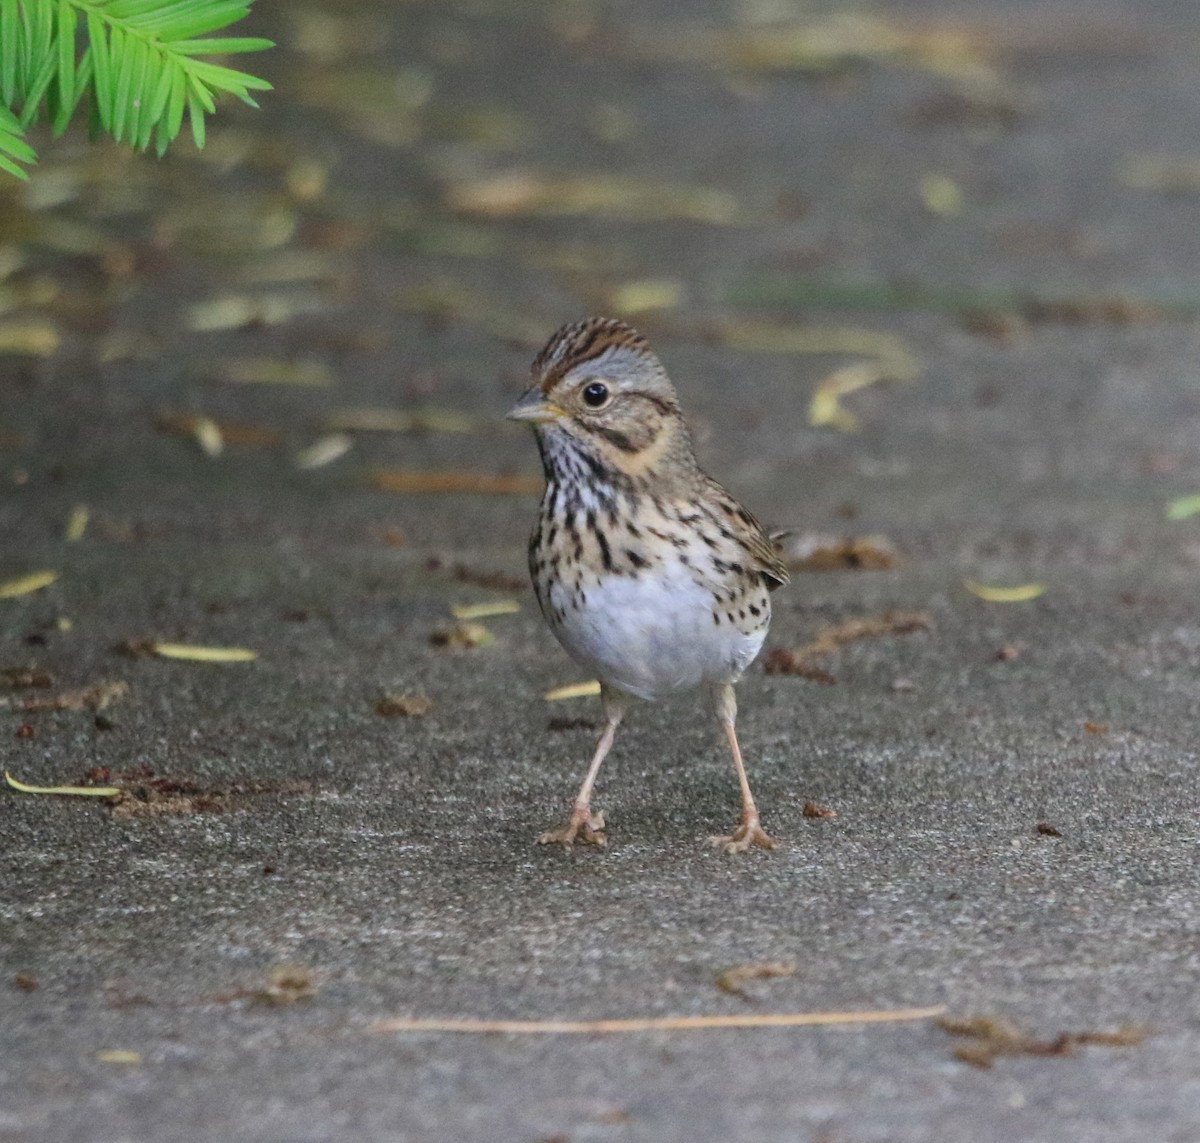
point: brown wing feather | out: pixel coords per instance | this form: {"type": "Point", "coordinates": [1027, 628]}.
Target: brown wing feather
{"type": "Point", "coordinates": [757, 544]}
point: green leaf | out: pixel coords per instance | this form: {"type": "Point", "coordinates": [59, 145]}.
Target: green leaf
{"type": "Point", "coordinates": [68, 93]}
{"type": "Point", "coordinates": [12, 146]}
{"type": "Point", "coordinates": [126, 53]}
{"type": "Point", "coordinates": [145, 85]}
{"type": "Point", "coordinates": [183, 21]}
{"type": "Point", "coordinates": [102, 69]}
{"type": "Point", "coordinates": [142, 68]}
{"type": "Point", "coordinates": [171, 123]}
{"type": "Point", "coordinates": [203, 95]}
{"type": "Point", "coordinates": [196, 113]}
{"type": "Point", "coordinates": [220, 46]}
{"type": "Point", "coordinates": [156, 106]}
{"type": "Point", "coordinates": [38, 85]}
{"type": "Point", "coordinates": [226, 79]}
{"type": "Point", "coordinates": [138, 95]}
{"type": "Point", "coordinates": [83, 83]}
{"type": "Point", "coordinates": [10, 42]}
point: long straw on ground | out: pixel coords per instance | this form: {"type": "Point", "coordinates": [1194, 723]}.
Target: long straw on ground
{"type": "Point", "coordinates": [654, 1023]}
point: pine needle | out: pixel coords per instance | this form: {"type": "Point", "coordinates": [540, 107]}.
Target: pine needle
{"type": "Point", "coordinates": [203, 654]}
{"type": "Point", "coordinates": [654, 1023]}
{"type": "Point", "coordinates": [74, 791]}
{"type": "Point", "coordinates": [573, 690]}
{"type": "Point", "coordinates": [485, 610]}
{"type": "Point", "coordinates": [1021, 593]}
{"type": "Point", "coordinates": [27, 584]}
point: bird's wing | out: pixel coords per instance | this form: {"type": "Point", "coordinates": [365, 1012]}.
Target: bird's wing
{"type": "Point", "coordinates": [749, 535]}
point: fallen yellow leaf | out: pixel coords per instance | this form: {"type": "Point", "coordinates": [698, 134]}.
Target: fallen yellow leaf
{"type": "Point", "coordinates": [74, 791]}
{"type": "Point", "coordinates": [518, 193]}
{"type": "Point", "coordinates": [573, 690]}
{"type": "Point", "coordinates": [485, 610]}
{"type": "Point", "coordinates": [203, 654]}
{"type": "Point", "coordinates": [325, 450]}
{"type": "Point", "coordinates": [646, 294]}
{"type": "Point", "coordinates": [208, 436]}
{"type": "Point", "coordinates": [77, 523]}
{"type": "Point", "coordinates": [239, 311]}
{"type": "Point", "coordinates": [1019, 594]}
{"type": "Point", "coordinates": [825, 407]}
{"type": "Point", "coordinates": [30, 339]}
{"type": "Point", "coordinates": [892, 354]}
{"type": "Point", "coordinates": [27, 584]}
{"type": "Point", "coordinates": [118, 1056]}
{"type": "Point", "coordinates": [275, 371]}
{"type": "Point", "coordinates": [941, 194]}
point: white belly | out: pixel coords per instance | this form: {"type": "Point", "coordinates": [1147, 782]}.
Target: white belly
{"type": "Point", "coordinates": [649, 635]}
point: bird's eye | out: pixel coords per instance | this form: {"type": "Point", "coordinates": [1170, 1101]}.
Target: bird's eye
{"type": "Point", "coordinates": [595, 395]}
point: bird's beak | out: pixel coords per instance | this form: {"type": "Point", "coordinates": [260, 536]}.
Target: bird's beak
{"type": "Point", "coordinates": [535, 409]}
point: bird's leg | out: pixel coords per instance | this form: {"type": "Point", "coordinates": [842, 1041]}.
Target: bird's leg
{"type": "Point", "coordinates": [584, 825]}
{"type": "Point", "coordinates": [749, 832]}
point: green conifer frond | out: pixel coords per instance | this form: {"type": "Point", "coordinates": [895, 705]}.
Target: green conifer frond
{"type": "Point", "coordinates": [141, 68]}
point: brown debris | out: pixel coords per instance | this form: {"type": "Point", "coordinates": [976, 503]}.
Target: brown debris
{"type": "Point", "coordinates": [1047, 830]}
{"type": "Point", "coordinates": [460, 636]}
{"type": "Point", "coordinates": [814, 552]}
{"type": "Point", "coordinates": [781, 661]}
{"type": "Point", "coordinates": [286, 984]}
{"type": "Point", "coordinates": [1008, 322]}
{"type": "Point", "coordinates": [25, 982]}
{"type": "Point", "coordinates": [19, 678]}
{"type": "Point", "coordinates": [232, 432]}
{"type": "Point", "coordinates": [486, 483]}
{"type": "Point", "coordinates": [403, 706]}
{"type": "Point", "coordinates": [117, 998]}
{"type": "Point", "coordinates": [96, 698]}
{"type": "Point", "coordinates": [496, 580]}
{"type": "Point", "coordinates": [991, 1037]}
{"type": "Point", "coordinates": [1007, 654]}
{"type": "Point", "coordinates": [143, 793]}
{"type": "Point", "coordinates": [812, 810]}
{"type": "Point", "coordinates": [1113, 310]}
{"type": "Point", "coordinates": [391, 536]}
{"type": "Point", "coordinates": [135, 648]}
{"type": "Point", "coordinates": [734, 980]}
{"type": "Point", "coordinates": [1095, 727]}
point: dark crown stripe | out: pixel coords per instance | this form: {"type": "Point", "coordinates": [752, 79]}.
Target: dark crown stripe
{"type": "Point", "coordinates": [583, 341]}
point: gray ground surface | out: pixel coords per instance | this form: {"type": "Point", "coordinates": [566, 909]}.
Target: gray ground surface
{"type": "Point", "coordinates": [394, 858]}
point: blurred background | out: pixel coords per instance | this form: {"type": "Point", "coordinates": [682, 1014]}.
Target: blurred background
{"type": "Point", "coordinates": [883, 249]}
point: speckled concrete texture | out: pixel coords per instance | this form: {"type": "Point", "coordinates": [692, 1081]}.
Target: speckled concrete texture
{"type": "Point", "coordinates": [394, 858]}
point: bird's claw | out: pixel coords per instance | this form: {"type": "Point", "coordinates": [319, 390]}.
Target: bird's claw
{"type": "Point", "coordinates": [584, 827]}
{"type": "Point", "coordinates": [749, 833]}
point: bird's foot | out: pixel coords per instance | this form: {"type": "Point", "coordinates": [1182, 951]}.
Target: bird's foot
{"type": "Point", "coordinates": [584, 826]}
{"type": "Point", "coordinates": [749, 833]}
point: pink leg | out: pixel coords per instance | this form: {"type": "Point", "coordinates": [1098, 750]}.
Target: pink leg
{"type": "Point", "coordinates": [584, 825]}
{"type": "Point", "coordinates": [749, 832]}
